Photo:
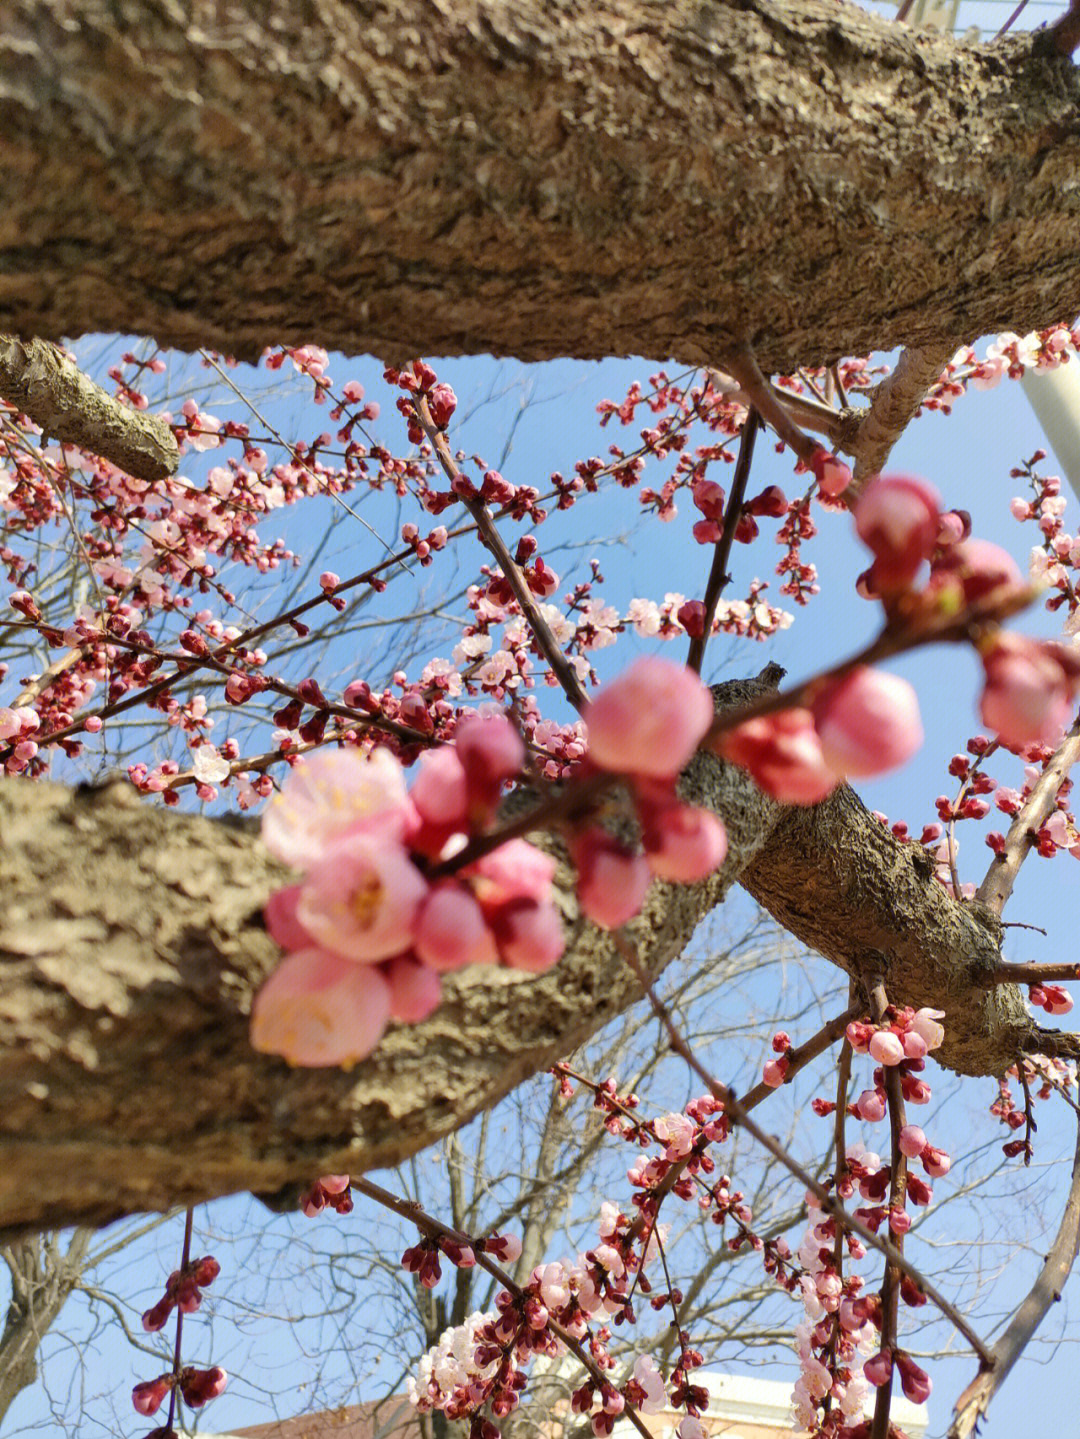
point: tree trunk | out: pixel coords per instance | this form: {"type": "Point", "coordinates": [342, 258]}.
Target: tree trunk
{"type": "Point", "coordinates": [530, 177]}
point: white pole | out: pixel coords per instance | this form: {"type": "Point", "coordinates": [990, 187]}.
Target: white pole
{"type": "Point", "coordinates": [1054, 395]}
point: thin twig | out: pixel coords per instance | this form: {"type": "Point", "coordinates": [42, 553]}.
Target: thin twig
{"type": "Point", "coordinates": [829, 1202]}
{"type": "Point", "coordinates": [718, 575]}
{"type": "Point", "coordinates": [1047, 1289]}
{"type": "Point", "coordinates": [435, 1229]}
{"type": "Point", "coordinates": [890, 1283]}
{"type": "Point", "coordinates": [1028, 820]}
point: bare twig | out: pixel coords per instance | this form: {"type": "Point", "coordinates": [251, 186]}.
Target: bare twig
{"type": "Point", "coordinates": [718, 575]}
{"type": "Point", "coordinates": [975, 1400]}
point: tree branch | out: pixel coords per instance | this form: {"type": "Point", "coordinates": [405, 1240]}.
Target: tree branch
{"type": "Point", "coordinates": [621, 178]}
{"type": "Point", "coordinates": [41, 382]}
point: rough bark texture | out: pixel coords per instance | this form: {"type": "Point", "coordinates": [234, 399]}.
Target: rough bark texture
{"type": "Point", "coordinates": [535, 177]}
{"type": "Point", "coordinates": [132, 943]}
{"type": "Point", "coordinates": [44, 384]}
{"type": "Point", "coordinates": [42, 1278]}
{"type": "Point", "coordinates": [130, 946]}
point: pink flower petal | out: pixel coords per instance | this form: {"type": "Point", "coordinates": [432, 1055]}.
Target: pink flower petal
{"type": "Point", "coordinates": [317, 1010]}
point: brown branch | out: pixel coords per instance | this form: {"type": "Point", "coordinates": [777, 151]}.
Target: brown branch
{"type": "Point", "coordinates": [1046, 1291]}
{"type": "Point", "coordinates": [1030, 973]}
{"type": "Point", "coordinates": [894, 404]}
{"type": "Point", "coordinates": [1040, 804]}
{"type": "Point", "coordinates": [43, 384]}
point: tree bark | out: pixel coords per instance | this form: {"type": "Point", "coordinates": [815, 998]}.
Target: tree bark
{"type": "Point", "coordinates": [132, 944]}
{"type": "Point", "coordinates": [530, 177]}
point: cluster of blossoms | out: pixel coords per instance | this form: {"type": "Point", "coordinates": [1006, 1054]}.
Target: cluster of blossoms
{"type": "Point", "coordinates": [197, 1386]}
{"type": "Point", "coordinates": [371, 927]}
{"type": "Point", "coordinates": [842, 1346]}
{"type": "Point", "coordinates": [1039, 1076]}
{"type": "Point", "coordinates": [183, 1291]}
{"type": "Point", "coordinates": [330, 1191]}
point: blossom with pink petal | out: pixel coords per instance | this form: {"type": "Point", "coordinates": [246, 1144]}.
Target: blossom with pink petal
{"type": "Point", "coordinates": [975, 569]}
{"type": "Point", "coordinates": [925, 1022]}
{"type": "Point", "coordinates": [649, 720]}
{"type": "Point", "coordinates": [148, 1396]}
{"type": "Point", "coordinates": [878, 1368]}
{"type": "Point", "coordinates": [912, 1141]}
{"type": "Point", "coordinates": [612, 880]}
{"type": "Point", "coordinates": [330, 793]}
{"type": "Point", "coordinates": [516, 870]}
{"type": "Point", "coordinates": [898, 517]}
{"type": "Point", "coordinates": [440, 791]}
{"type": "Point", "coordinates": [362, 897]}
{"type": "Point", "coordinates": [1030, 689]}
{"type": "Point", "coordinates": [317, 1009]}
{"type": "Point", "coordinates": [279, 912]}
{"type": "Point", "coordinates": [867, 722]}
{"type": "Point", "coordinates": [450, 930]}
{"type": "Point", "coordinates": [831, 473]}
{"type": "Point", "coordinates": [783, 755]}
{"type": "Point", "coordinates": [914, 1381]}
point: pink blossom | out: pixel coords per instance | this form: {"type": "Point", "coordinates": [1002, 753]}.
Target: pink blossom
{"type": "Point", "coordinates": [915, 1047]}
{"type": "Point", "coordinates": [783, 754]}
{"type": "Point", "coordinates": [899, 1221]}
{"type": "Point", "coordinates": [831, 473]}
{"type": "Point", "coordinates": [897, 516]}
{"type": "Point", "coordinates": [868, 721]}
{"type": "Point", "coordinates": [415, 990]}
{"type": "Point", "coordinates": [975, 568]}
{"type": "Point", "coordinates": [775, 1072]}
{"type": "Point", "coordinates": [362, 897]}
{"type": "Point", "coordinates": [925, 1023]}
{"type": "Point", "coordinates": [676, 1132]}
{"type": "Point", "coordinates": [912, 1141]}
{"type": "Point", "coordinates": [331, 792]}
{"type": "Point", "coordinates": [491, 752]}
{"type": "Point", "coordinates": [650, 720]}
{"type": "Point", "coordinates": [450, 930]}
{"type": "Point", "coordinates": [1029, 689]}
{"type": "Point", "coordinates": [317, 1009]}
{"type": "Point", "coordinates": [334, 1183]}
{"type": "Point", "coordinates": [683, 842]}
{"type": "Point", "coordinates": [612, 880]}
{"type": "Point", "coordinates": [886, 1048]}
{"type": "Point", "coordinates": [529, 935]}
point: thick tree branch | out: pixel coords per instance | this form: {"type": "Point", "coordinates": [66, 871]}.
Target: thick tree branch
{"type": "Point", "coordinates": [536, 177]}
{"type": "Point", "coordinates": [41, 382]}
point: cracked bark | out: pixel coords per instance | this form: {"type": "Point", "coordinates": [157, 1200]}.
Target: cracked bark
{"type": "Point", "coordinates": [132, 943]}
{"type": "Point", "coordinates": [531, 177]}
{"type": "Point", "coordinates": [45, 385]}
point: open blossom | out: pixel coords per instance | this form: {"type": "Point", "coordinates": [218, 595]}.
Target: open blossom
{"type": "Point", "coordinates": [649, 720]}
{"type": "Point", "coordinates": [331, 792]}
{"type": "Point", "coordinates": [676, 1131]}
{"type": "Point", "coordinates": [317, 1009]}
{"type": "Point", "coordinates": [362, 897]}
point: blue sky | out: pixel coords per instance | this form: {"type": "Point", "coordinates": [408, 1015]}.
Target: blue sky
{"type": "Point", "coordinates": [551, 411]}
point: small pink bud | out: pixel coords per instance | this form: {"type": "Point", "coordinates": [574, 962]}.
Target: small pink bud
{"type": "Point", "coordinates": [1029, 689]}
{"type": "Point", "coordinates": [915, 1047]}
{"type": "Point", "coordinates": [612, 881]}
{"type": "Point", "coordinates": [899, 1221]}
{"type": "Point", "coordinates": [775, 1072]}
{"type": "Point", "coordinates": [914, 1381]}
{"type": "Point", "coordinates": [871, 1106]}
{"type": "Point", "coordinates": [936, 1162]}
{"type": "Point", "coordinates": [783, 755]}
{"type": "Point", "coordinates": [147, 1397]}
{"type": "Point", "coordinates": [328, 580]}
{"type": "Point", "coordinates": [683, 843]}
{"type": "Point", "coordinates": [649, 720]}
{"type": "Point", "coordinates": [886, 1048]}
{"type": "Point", "coordinates": [831, 473]}
{"type": "Point", "coordinates": [450, 931]}
{"type": "Point", "coordinates": [529, 935]}
{"type": "Point", "coordinates": [490, 750]}
{"type": "Point", "coordinates": [439, 790]}
{"type": "Point", "coordinates": [867, 722]}
{"type": "Point", "coordinates": [415, 990]}
{"type": "Point", "coordinates": [912, 1141]}
{"type": "Point", "coordinates": [976, 568]}
{"type": "Point", "coordinates": [898, 517]}
{"type": "Point", "coordinates": [878, 1368]}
